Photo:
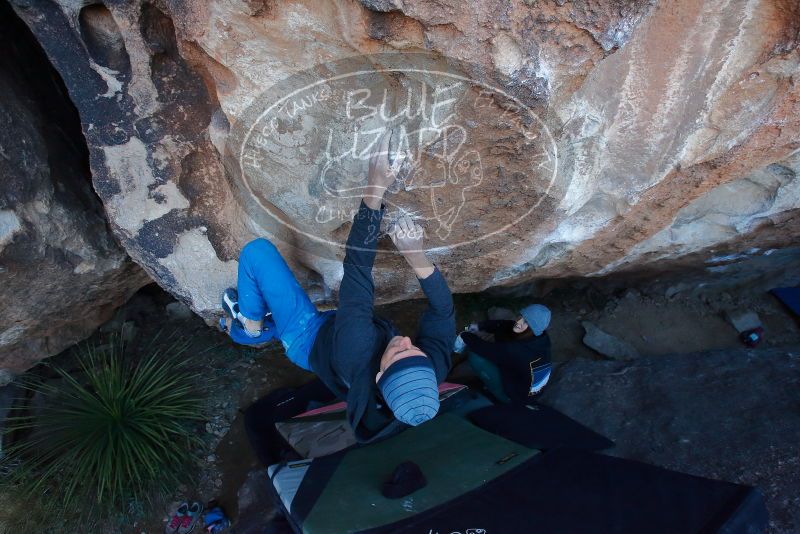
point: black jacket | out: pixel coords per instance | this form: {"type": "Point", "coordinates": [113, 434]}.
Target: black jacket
{"type": "Point", "coordinates": [516, 358]}
{"type": "Point", "coordinates": [348, 348]}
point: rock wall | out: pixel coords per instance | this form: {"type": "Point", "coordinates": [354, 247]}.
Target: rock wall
{"type": "Point", "coordinates": [540, 138]}
{"type": "Point", "coordinates": [61, 272]}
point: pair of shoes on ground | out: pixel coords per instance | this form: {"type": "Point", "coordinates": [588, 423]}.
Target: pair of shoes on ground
{"type": "Point", "coordinates": [185, 518]}
{"type": "Point", "coordinates": [237, 331]}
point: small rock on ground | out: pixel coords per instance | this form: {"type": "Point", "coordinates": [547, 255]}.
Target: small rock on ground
{"type": "Point", "coordinates": [606, 344]}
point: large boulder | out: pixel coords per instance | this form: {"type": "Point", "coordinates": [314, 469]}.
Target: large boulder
{"type": "Point", "coordinates": [61, 272]}
{"type": "Point", "coordinates": [546, 138]}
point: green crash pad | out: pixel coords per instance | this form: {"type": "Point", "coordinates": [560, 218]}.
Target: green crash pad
{"type": "Point", "coordinates": [454, 455]}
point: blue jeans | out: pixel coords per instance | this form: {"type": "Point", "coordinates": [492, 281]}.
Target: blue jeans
{"type": "Point", "coordinates": [265, 284]}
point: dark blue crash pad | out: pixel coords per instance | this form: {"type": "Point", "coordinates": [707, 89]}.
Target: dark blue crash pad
{"type": "Point", "coordinates": [790, 296]}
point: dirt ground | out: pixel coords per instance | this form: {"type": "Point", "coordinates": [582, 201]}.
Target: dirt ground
{"type": "Point", "coordinates": [655, 323]}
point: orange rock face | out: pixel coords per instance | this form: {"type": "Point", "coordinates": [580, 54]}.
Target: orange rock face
{"type": "Point", "coordinates": [538, 138]}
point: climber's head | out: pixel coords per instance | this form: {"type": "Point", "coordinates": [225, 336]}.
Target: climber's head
{"type": "Point", "coordinates": [407, 381]}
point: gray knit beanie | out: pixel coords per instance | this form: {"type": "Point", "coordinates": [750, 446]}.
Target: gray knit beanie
{"type": "Point", "coordinates": [410, 390]}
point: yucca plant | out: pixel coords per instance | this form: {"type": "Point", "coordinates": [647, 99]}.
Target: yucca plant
{"type": "Point", "coordinates": [107, 438]}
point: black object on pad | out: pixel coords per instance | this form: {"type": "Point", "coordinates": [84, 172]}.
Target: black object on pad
{"type": "Point", "coordinates": [406, 478]}
{"type": "Point", "coordinates": [539, 427]}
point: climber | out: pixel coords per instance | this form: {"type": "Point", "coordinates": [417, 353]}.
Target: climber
{"type": "Point", "coordinates": [512, 358]}
{"type": "Point", "coordinates": [387, 379]}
